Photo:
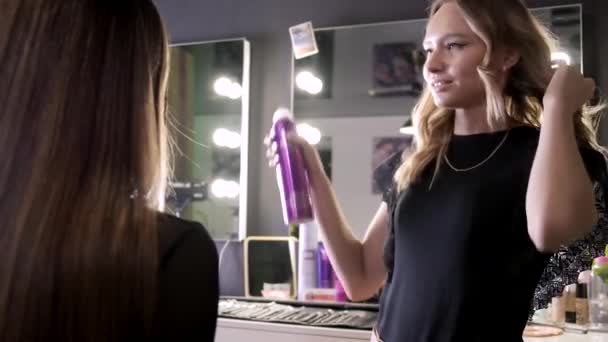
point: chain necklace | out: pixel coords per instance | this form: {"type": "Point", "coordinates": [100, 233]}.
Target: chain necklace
{"type": "Point", "coordinates": [447, 161]}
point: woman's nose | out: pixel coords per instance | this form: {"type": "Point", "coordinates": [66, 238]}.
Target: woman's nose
{"type": "Point", "coordinates": [434, 62]}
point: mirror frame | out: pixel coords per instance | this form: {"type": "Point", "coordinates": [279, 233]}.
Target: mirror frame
{"type": "Point", "coordinates": [292, 246]}
{"type": "Point", "coordinates": [244, 149]}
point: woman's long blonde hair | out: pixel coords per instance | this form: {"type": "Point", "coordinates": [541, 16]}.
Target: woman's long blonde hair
{"type": "Point", "coordinates": [498, 23]}
{"type": "Point", "coordinates": [83, 142]}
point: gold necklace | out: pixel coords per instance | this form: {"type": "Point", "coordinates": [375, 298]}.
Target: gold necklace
{"type": "Point", "coordinates": [447, 161]}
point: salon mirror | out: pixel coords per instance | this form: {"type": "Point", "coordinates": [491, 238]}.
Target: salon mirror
{"type": "Point", "coordinates": [359, 91]}
{"type": "Point", "coordinates": [270, 267]}
{"type": "Point", "coordinates": [208, 106]}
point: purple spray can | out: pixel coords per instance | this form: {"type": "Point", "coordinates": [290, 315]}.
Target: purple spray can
{"type": "Point", "coordinates": [291, 171]}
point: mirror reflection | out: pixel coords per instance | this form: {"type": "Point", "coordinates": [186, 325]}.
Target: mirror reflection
{"type": "Point", "coordinates": [208, 92]}
{"type": "Point", "coordinates": [270, 267]}
{"type": "Point", "coordinates": [359, 91]}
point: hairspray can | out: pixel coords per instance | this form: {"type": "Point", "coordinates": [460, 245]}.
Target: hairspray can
{"type": "Point", "coordinates": [291, 172]}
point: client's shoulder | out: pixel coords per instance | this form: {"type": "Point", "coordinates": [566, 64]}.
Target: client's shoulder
{"type": "Point", "coordinates": [175, 232]}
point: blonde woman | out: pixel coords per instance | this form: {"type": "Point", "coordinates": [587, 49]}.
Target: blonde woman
{"type": "Point", "coordinates": [488, 194]}
{"type": "Point", "coordinates": [85, 254]}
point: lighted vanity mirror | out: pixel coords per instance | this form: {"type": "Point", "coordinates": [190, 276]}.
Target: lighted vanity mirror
{"type": "Point", "coordinates": [208, 103]}
{"type": "Point", "coordinates": [360, 89]}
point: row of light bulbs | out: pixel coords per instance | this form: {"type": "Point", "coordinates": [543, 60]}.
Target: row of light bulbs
{"type": "Point", "coordinates": [223, 137]}
{"type": "Point", "coordinates": [312, 84]}
{"type": "Point", "coordinates": [222, 188]}
{"type": "Point", "coordinates": [229, 189]}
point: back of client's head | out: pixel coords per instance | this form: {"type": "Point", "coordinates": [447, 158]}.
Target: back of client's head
{"type": "Point", "coordinates": [83, 143]}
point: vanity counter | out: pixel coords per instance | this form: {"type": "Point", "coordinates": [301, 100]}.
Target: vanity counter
{"type": "Point", "coordinates": [229, 330]}
{"type": "Point", "coordinates": [253, 320]}
{"type": "Point", "coordinates": [571, 337]}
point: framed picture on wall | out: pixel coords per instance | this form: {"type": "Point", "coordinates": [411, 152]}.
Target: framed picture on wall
{"type": "Point", "coordinates": [303, 40]}
{"type": "Point", "coordinates": [397, 70]}
{"type": "Point", "coordinates": [387, 154]}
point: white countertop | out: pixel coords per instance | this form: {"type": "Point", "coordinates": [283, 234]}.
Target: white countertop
{"type": "Point", "coordinates": [571, 337]}
{"type": "Point", "coordinates": [294, 329]}
{"type": "Point", "coordinates": [364, 335]}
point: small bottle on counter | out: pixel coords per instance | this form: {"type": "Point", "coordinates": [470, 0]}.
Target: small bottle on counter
{"type": "Point", "coordinates": [307, 258]}
{"type": "Point", "coordinates": [325, 271]}
{"type": "Point", "coordinates": [582, 304]}
{"type": "Point", "coordinates": [570, 303]}
{"type": "Point", "coordinates": [557, 310]}
{"type": "Point", "coordinates": [598, 295]}
{"type": "Point", "coordinates": [340, 293]}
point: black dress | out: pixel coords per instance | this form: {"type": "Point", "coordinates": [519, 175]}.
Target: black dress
{"type": "Point", "coordinates": [189, 283]}
{"type": "Point", "coordinates": [461, 263]}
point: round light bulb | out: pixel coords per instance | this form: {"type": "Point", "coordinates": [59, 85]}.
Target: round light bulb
{"type": "Point", "coordinates": [222, 86]}
{"type": "Point", "coordinates": [311, 134]}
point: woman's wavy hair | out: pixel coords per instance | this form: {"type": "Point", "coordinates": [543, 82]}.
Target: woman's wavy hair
{"type": "Point", "coordinates": [506, 23]}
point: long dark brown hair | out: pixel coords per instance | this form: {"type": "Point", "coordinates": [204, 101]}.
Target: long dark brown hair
{"type": "Point", "coordinates": [83, 151]}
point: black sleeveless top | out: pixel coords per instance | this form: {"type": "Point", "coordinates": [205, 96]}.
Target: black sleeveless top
{"type": "Point", "coordinates": [460, 260]}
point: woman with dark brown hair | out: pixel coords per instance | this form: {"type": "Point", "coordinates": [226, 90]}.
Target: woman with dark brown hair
{"type": "Point", "coordinates": [85, 254]}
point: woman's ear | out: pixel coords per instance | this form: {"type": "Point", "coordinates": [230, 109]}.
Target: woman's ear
{"type": "Point", "coordinates": [511, 58]}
